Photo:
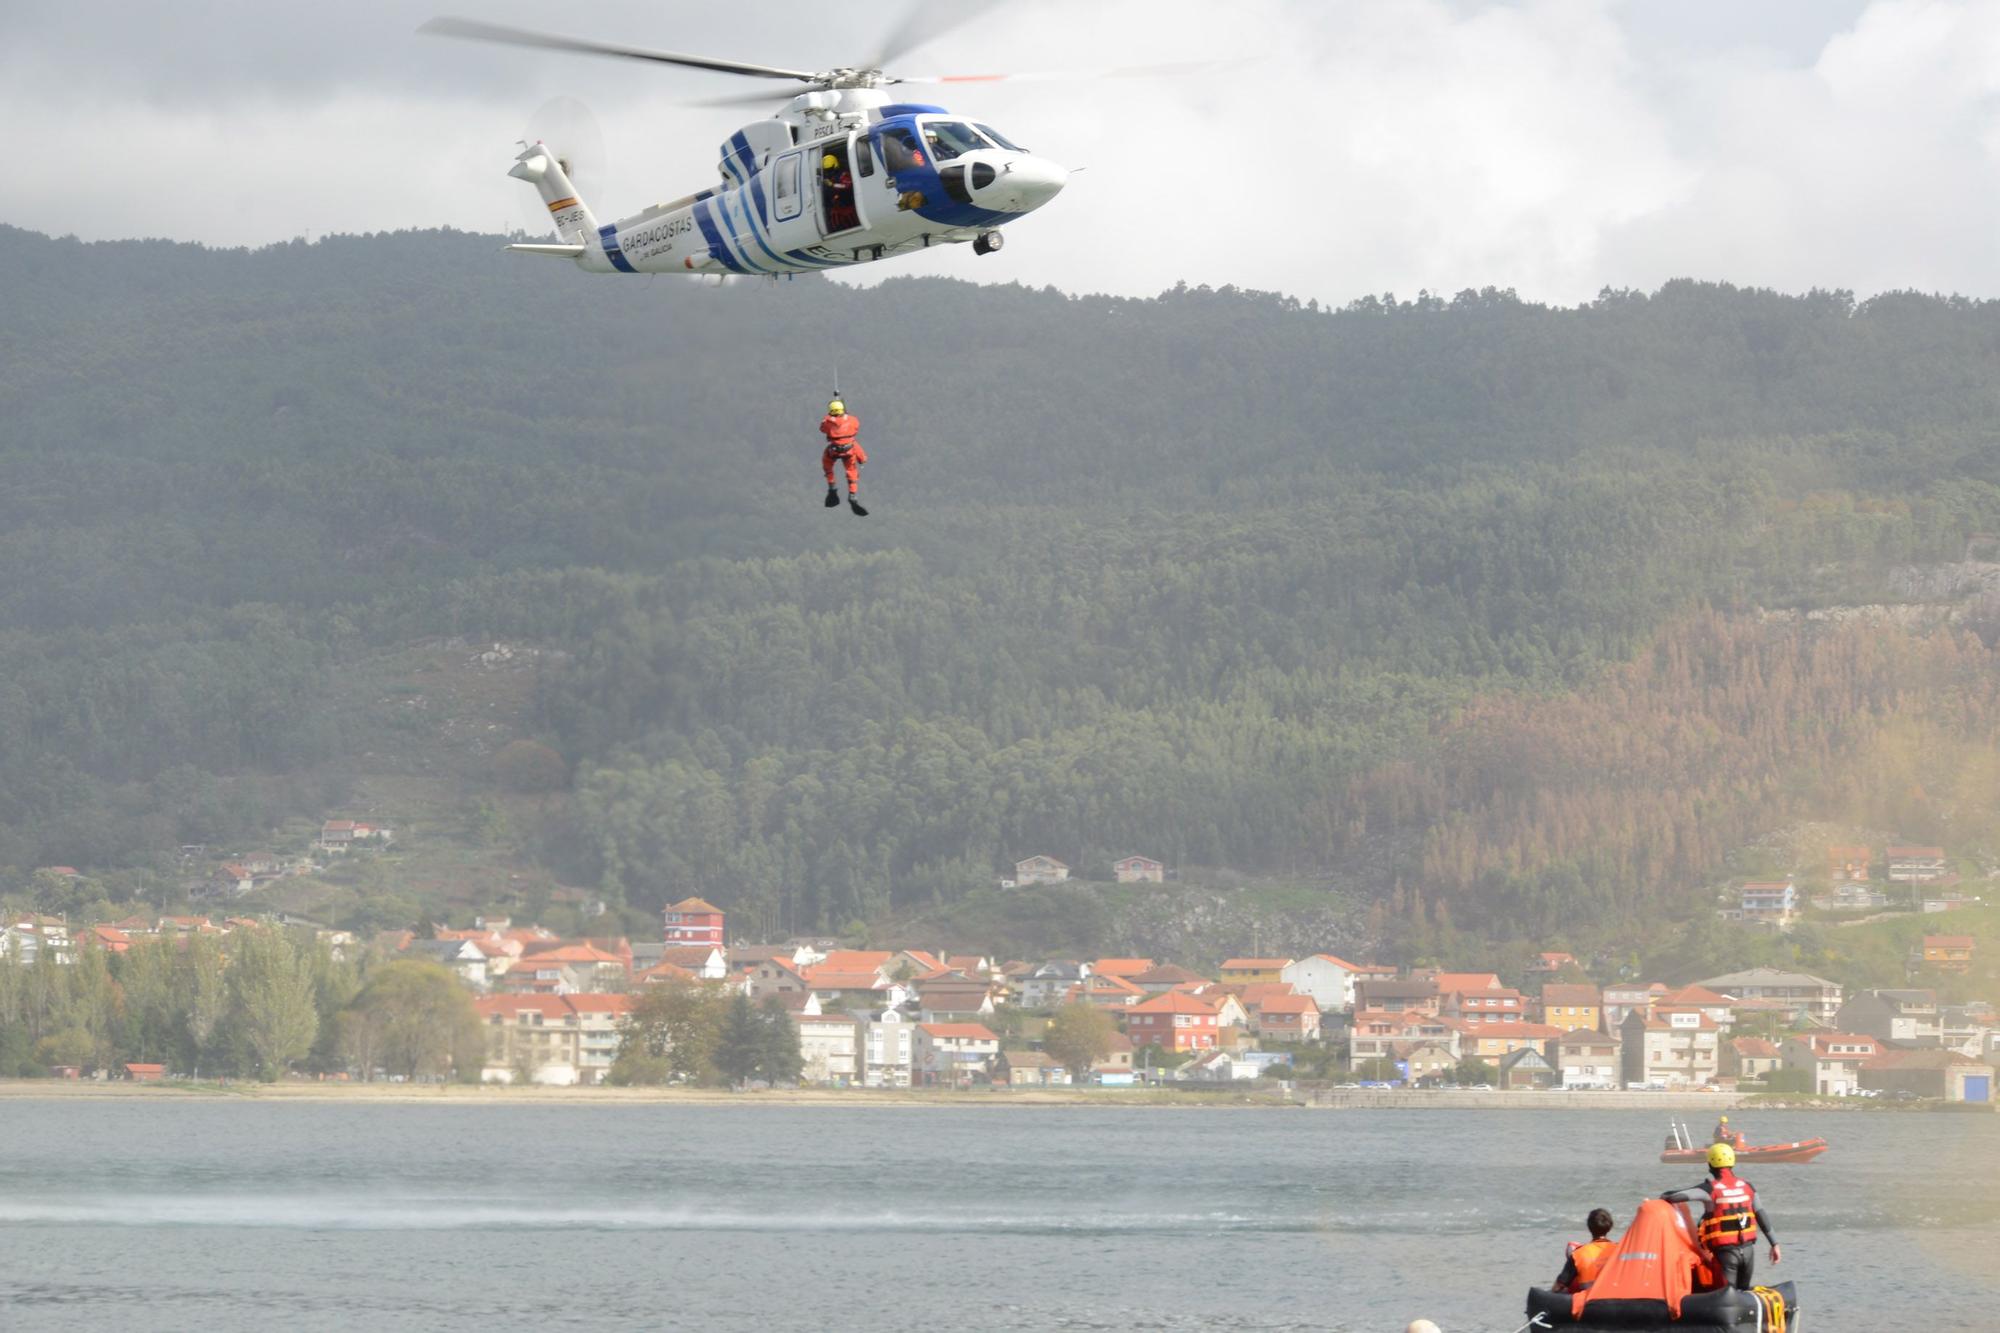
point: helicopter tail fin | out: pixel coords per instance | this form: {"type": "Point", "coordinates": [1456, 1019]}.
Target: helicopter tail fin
{"type": "Point", "coordinates": [542, 168]}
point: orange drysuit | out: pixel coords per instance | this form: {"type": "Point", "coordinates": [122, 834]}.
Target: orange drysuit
{"type": "Point", "coordinates": [843, 444]}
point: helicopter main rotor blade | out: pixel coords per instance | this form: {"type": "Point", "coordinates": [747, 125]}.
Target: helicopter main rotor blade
{"type": "Point", "coordinates": [1043, 76]}
{"type": "Point", "coordinates": [922, 22]}
{"type": "Point", "coordinates": [476, 30]}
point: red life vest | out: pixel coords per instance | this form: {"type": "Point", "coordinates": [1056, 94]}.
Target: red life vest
{"type": "Point", "coordinates": [840, 431]}
{"type": "Point", "coordinates": [1732, 1213]}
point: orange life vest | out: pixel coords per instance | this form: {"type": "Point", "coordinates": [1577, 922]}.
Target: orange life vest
{"type": "Point", "coordinates": [1589, 1260]}
{"type": "Point", "coordinates": [840, 432]}
{"type": "Point", "coordinates": [1732, 1214]}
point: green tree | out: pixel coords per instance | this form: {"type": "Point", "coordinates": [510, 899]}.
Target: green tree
{"type": "Point", "coordinates": [275, 999]}
{"type": "Point", "coordinates": [414, 1018]}
{"type": "Point", "coordinates": [670, 1035]}
{"type": "Point", "coordinates": [1079, 1035]}
{"type": "Point", "coordinates": [740, 1046]}
{"type": "Point", "coordinates": [201, 991]}
{"type": "Point", "coordinates": [780, 1060]}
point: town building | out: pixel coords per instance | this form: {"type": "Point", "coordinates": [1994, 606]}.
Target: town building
{"type": "Point", "coordinates": [1175, 1021]}
{"type": "Point", "coordinates": [1030, 1069]}
{"type": "Point", "coordinates": [1831, 1060]}
{"type": "Point", "coordinates": [1493, 1042]}
{"type": "Point", "coordinates": [1948, 953]}
{"type": "Point", "coordinates": [1244, 971]}
{"type": "Point", "coordinates": [1395, 995]}
{"type": "Point", "coordinates": [887, 1057]}
{"type": "Point", "coordinates": [954, 1054]}
{"type": "Point", "coordinates": [559, 1039]}
{"type": "Point", "coordinates": [1751, 1057]}
{"type": "Point", "coordinates": [1848, 865]}
{"type": "Point", "coordinates": [1166, 977]}
{"type": "Point", "coordinates": [1899, 1017]}
{"type": "Point", "coordinates": [1621, 998]}
{"type": "Point", "coordinates": [1329, 980]}
{"type": "Point", "coordinates": [1946, 1075]}
{"type": "Point", "coordinates": [1040, 870]}
{"type": "Point", "coordinates": [1681, 1049]}
{"type": "Point", "coordinates": [1814, 997]}
{"type": "Point", "coordinates": [1047, 985]}
{"type": "Point", "coordinates": [1121, 967]}
{"type": "Point", "coordinates": [1569, 1006]}
{"type": "Point", "coordinates": [829, 1049]}
{"type": "Point", "coordinates": [1138, 870]}
{"type": "Point", "coordinates": [1916, 865]}
{"type": "Point", "coordinates": [1499, 1004]}
{"type": "Point", "coordinates": [1381, 1034]}
{"type": "Point", "coordinates": [1426, 1061]}
{"type": "Point", "coordinates": [1585, 1058]}
{"type": "Point", "coordinates": [1550, 963]}
{"type": "Point", "coordinates": [1285, 1018]}
{"type": "Point", "coordinates": [466, 960]}
{"type": "Point", "coordinates": [1771, 902]}
{"type": "Point", "coordinates": [693, 921]}
{"type": "Point", "coordinates": [1527, 1067]}
{"type": "Point", "coordinates": [1104, 990]}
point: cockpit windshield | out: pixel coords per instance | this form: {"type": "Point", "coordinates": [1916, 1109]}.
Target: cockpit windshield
{"type": "Point", "coordinates": [951, 138]}
{"type": "Point", "coordinates": [999, 138]}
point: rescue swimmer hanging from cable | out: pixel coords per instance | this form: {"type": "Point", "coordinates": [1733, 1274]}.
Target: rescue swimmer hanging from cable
{"type": "Point", "coordinates": [843, 449]}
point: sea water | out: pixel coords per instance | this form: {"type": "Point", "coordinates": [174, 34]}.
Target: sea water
{"type": "Point", "coordinates": [225, 1216]}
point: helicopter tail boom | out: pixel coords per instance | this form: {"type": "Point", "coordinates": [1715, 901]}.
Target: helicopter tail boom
{"type": "Point", "coordinates": [538, 165]}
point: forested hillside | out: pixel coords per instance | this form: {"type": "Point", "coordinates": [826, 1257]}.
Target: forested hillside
{"type": "Point", "coordinates": [1458, 596]}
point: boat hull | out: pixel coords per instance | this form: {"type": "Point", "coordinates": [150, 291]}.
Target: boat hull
{"type": "Point", "coordinates": [1724, 1311]}
{"type": "Point", "coordinates": [1769, 1153]}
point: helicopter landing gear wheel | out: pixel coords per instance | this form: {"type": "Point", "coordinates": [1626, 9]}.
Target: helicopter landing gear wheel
{"type": "Point", "coordinates": [987, 242]}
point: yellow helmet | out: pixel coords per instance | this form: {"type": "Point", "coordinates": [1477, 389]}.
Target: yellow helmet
{"type": "Point", "coordinates": [829, 162]}
{"type": "Point", "coordinates": [1725, 1120]}
{"type": "Point", "coordinates": [836, 408]}
{"type": "Point", "coordinates": [1721, 1155]}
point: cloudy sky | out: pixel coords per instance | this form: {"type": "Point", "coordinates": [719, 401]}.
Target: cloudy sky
{"type": "Point", "coordinates": [1350, 146]}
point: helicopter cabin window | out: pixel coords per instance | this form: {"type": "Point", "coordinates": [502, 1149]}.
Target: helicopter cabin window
{"type": "Point", "coordinates": [785, 187]}
{"type": "Point", "coordinates": [899, 150]}
{"type": "Point", "coordinates": [864, 157]}
{"type": "Point", "coordinates": [950, 138]}
{"type": "Point", "coordinates": [999, 138]}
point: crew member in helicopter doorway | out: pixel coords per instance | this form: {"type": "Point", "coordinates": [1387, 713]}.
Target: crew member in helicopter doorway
{"type": "Point", "coordinates": [843, 445]}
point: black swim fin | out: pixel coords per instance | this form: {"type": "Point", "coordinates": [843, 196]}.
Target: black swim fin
{"type": "Point", "coordinates": [832, 497]}
{"type": "Point", "coordinates": [854, 503]}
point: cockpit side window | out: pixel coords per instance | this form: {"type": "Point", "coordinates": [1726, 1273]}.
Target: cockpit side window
{"type": "Point", "coordinates": [899, 149]}
{"type": "Point", "coordinates": [999, 138]}
{"type": "Point", "coordinates": [950, 138]}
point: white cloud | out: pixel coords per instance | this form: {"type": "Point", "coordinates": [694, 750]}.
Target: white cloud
{"type": "Point", "coordinates": [1556, 146]}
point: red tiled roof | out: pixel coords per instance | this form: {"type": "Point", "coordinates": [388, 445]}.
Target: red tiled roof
{"type": "Point", "coordinates": [696, 905]}
{"type": "Point", "coordinates": [1338, 961]}
{"type": "Point", "coordinates": [1947, 941]}
{"type": "Point", "coordinates": [855, 960]}
{"type": "Point", "coordinates": [667, 972]}
{"type": "Point", "coordinates": [959, 1031]}
{"type": "Point", "coordinates": [826, 978]}
{"type": "Point", "coordinates": [1256, 964]}
{"type": "Point", "coordinates": [1166, 974]}
{"type": "Point", "coordinates": [1174, 1002]}
{"type": "Point", "coordinates": [1121, 967]}
{"type": "Point", "coordinates": [1754, 1048]}
{"type": "Point", "coordinates": [1561, 994]}
{"type": "Point", "coordinates": [1287, 1004]}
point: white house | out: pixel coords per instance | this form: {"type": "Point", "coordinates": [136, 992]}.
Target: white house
{"type": "Point", "coordinates": [831, 1048]}
{"type": "Point", "coordinates": [1327, 979]}
{"type": "Point", "coordinates": [886, 1056]}
{"type": "Point", "coordinates": [954, 1053]}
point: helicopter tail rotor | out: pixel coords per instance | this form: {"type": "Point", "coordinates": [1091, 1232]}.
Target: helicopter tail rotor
{"type": "Point", "coordinates": [563, 131]}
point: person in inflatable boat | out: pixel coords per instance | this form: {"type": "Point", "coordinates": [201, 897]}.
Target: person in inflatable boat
{"type": "Point", "coordinates": [1731, 1218]}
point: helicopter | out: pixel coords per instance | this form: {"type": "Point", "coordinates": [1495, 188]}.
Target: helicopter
{"type": "Point", "coordinates": [842, 174]}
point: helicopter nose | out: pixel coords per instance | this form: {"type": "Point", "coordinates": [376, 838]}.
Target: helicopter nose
{"type": "Point", "coordinates": [1025, 182]}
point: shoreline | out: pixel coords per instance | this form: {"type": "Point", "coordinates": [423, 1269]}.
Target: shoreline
{"type": "Point", "coordinates": [464, 1094]}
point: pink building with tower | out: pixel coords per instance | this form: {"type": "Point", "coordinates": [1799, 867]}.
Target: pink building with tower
{"type": "Point", "coordinates": [693, 921]}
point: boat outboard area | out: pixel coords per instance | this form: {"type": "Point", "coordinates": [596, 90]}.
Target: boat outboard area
{"type": "Point", "coordinates": [1660, 1278]}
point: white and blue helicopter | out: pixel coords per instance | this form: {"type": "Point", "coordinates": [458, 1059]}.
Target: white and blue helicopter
{"type": "Point", "coordinates": [842, 174]}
